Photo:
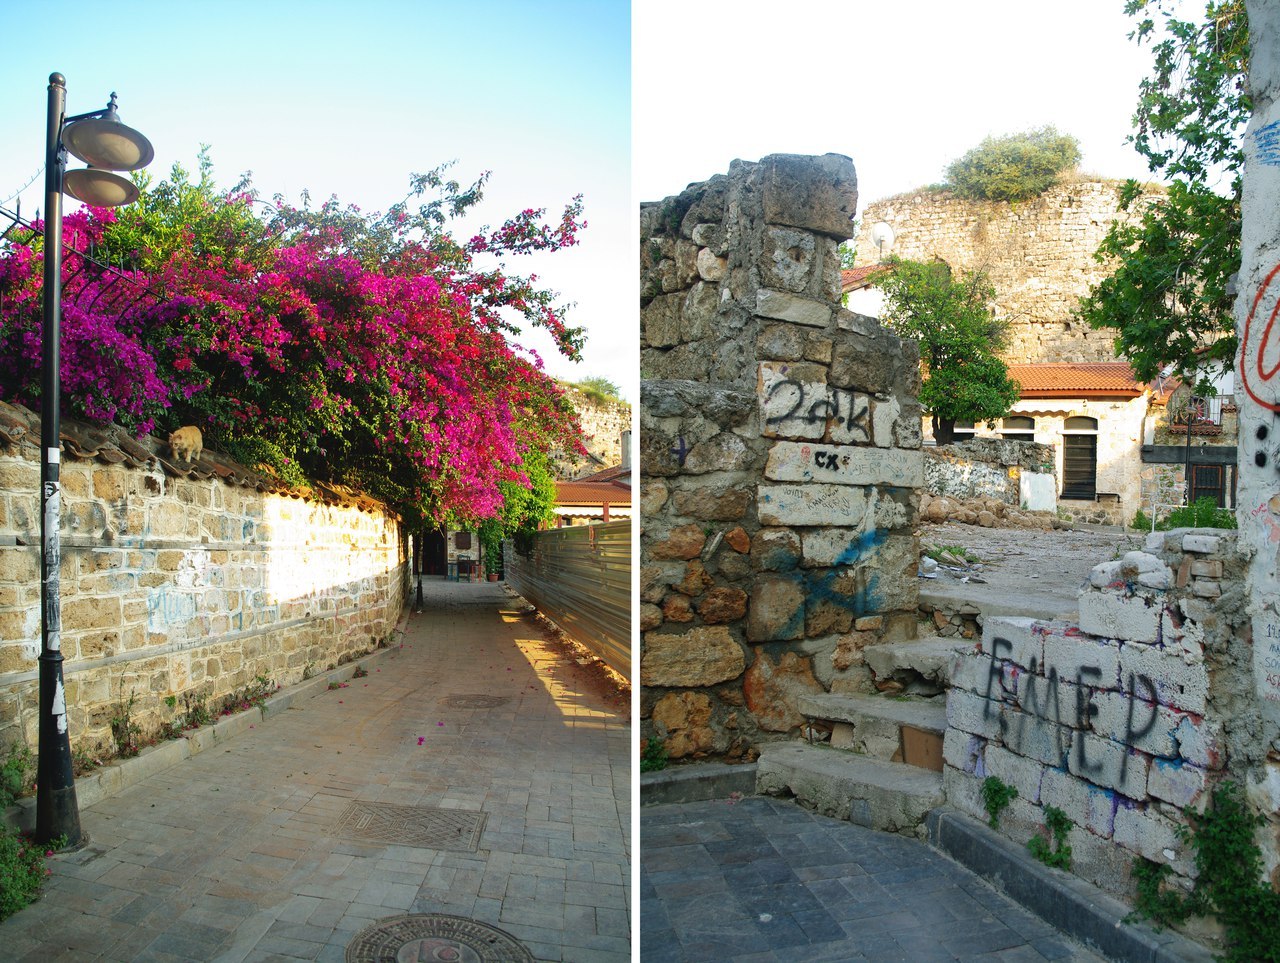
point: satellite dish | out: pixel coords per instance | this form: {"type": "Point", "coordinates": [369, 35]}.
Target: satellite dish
{"type": "Point", "coordinates": [882, 237]}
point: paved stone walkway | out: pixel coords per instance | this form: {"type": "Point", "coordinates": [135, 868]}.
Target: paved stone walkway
{"type": "Point", "coordinates": [234, 855]}
{"type": "Point", "coordinates": [762, 880]}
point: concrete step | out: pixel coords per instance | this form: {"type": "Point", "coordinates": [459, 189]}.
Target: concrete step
{"type": "Point", "coordinates": [896, 729]}
{"type": "Point", "coordinates": [987, 602]}
{"type": "Point", "coordinates": [922, 667]}
{"type": "Point", "coordinates": [870, 792]}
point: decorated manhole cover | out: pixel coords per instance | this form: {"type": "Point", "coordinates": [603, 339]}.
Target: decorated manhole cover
{"type": "Point", "coordinates": [426, 827]}
{"type": "Point", "coordinates": [479, 701]}
{"type": "Point", "coordinates": [420, 937]}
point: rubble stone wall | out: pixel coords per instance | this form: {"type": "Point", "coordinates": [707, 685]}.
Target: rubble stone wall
{"type": "Point", "coordinates": [182, 585]}
{"type": "Point", "coordinates": [1122, 721]}
{"type": "Point", "coordinates": [985, 468]}
{"type": "Point", "coordinates": [780, 459]}
{"type": "Point", "coordinates": [1038, 254]}
{"type": "Point", "coordinates": [603, 423]}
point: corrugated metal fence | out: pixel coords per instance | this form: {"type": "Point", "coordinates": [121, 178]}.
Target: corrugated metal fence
{"type": "Point", "coordinates": [580, 578]}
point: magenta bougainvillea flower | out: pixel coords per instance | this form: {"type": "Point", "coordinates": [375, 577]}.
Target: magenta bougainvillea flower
{"type": "Point", "coordinates": [374, 351]}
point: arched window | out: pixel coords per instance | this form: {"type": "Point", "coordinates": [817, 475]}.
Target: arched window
{"type": "Point", "coordinates": [1018, 428]}
{"type": "Point", "coordinates": [1080, 458]}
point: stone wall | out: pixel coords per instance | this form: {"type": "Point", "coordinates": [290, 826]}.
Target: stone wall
{"type": "Point", "coordinates": [1122, 721]}
{"type": "Point", "coordinates": [986, 468]}
{"type": "Point", "coordinates": [603, 423]}
{"type": "Point", "coordinates": [1038, 254]}
{"type": "Point", "coordinates": [780, 459]}
{"type": "Point", "coordinates": [180, 581]}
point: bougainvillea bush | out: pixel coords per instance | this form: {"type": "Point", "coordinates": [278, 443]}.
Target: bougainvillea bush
{"type": "Point", "coordinates": [369, 350]}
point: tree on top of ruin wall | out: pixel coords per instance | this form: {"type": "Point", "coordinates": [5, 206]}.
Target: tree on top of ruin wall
{"type": "Point", "coordinates": [1014, 167]}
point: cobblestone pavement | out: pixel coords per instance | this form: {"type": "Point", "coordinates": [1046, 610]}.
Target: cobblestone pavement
{"type": "Point", "coordinates": [236, 854]}
{"type": "Point", "coordinates": [760, 879]}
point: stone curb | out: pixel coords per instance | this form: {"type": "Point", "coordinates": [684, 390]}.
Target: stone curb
{"type": "Point", "coordinates": [1075, 907]}
{"type": "Point", "coordinates": [697, 783]}
{"type": "Point", "coordinates": [119, 775]}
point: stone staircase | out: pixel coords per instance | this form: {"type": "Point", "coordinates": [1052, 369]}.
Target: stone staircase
{"type": "Point", "coordinates": [883, 767]}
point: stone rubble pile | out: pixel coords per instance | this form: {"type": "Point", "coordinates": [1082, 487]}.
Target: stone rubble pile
{"type": "Point", "coordinates": [987, 512]}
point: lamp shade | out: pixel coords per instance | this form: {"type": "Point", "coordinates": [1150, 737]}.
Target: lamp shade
{"type": "Point", "coordinates": [99, 188]}
{"type": "Point", "coordinates": [108, 144]}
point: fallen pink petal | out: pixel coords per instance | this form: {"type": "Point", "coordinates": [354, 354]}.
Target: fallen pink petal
{"type": "Point", "coordinates": [421, 739]}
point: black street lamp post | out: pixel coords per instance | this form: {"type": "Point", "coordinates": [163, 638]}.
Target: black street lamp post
{"type": "Point", "coordinates": [99, 139]}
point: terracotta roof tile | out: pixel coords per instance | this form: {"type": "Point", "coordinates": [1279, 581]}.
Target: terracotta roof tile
{"type": "Point", "coordinates": [591, 493]}
{"type": "Point", "coordinates": [851, 278]}
{"type": "Point", "coordinates": [1092, 380]}
{"type": "Point", "coordinates": [20, 428]}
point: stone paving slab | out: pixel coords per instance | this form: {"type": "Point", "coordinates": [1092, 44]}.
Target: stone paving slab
{"type": "Point", "coordinates": [761, 880]}
{"type": "Point", "coordinates": [235, 854]}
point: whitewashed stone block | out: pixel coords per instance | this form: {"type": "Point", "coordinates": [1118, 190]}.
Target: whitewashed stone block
{"type": "Point", "coordinates": [843, 506]}
{"type": "Point", "coordinates": [844, 465]}
{"type": "Point", "coordinates": [1201, 544]}
{"type": "Point", "coordinates": [1111, 616]}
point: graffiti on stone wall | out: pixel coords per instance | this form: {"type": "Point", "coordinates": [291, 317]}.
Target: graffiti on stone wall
{"type": "Point", "coordinates": [794, 408]}
{"type": "Point", "coordinates": [1138, 695]}
{"type": "Point", "coordinates": [1126, 717]}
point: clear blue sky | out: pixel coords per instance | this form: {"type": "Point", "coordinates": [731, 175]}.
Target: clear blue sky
{"type": "Point", "coordinates": [349, 98]}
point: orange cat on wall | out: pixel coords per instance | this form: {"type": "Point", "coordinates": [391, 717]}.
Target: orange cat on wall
{"type": "Point", "coordinates": [186, 444]}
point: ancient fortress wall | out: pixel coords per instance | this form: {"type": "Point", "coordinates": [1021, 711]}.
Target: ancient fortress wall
{"type": "Point", "coordinates": [603, 423]}
{"type": "Point", "coordinates": [1037, 253]}
{"type": "Point", "coordinates": [780, 455]}
{"type": "Point", "coordinates": [180, 582]}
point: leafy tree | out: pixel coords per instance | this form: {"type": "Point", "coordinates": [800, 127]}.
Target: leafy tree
{"type": "Point", "coordinates": [527, 505]}
{"type": "Point", "coordinates": [1167, 298]}
{"type": "Point", "coordinates": [959, 336]}
{"type": "Point", "coordinates": [1014, 167]}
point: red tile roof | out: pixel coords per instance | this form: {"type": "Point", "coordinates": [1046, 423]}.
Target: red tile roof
{"type": "Point", "coordinates": [858, 277]}
{"type": "Point", "coordinates": [1094, 380]}
{"type": "Point", "coordinates": [591, 493]}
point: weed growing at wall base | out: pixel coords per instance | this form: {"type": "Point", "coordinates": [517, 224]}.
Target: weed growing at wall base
{"type": "Point", "coordinates": [653, 757]}
{"type": "Point", "coordinates": [22, 869]}
{"type": "Point", "coordinates": [124, 730]}
{"type": "Point", "coordinates": [1056, 821]}
{"type": "Point", "coordinates": [1229, 882]}
{"type": "Point", "coordinates": [996, 795]}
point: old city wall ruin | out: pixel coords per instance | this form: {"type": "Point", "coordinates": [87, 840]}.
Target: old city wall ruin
{"type": "Point", "coordinates": [1037, 253]}
{"type": "Point", "coordinates": [604, 422]}
{"type": "Point", "coordinates": [780, 452]}
{"type": "Point", "coordinates": [1171, 681]}
{"type": "Point", "coordinates": [180, 581]}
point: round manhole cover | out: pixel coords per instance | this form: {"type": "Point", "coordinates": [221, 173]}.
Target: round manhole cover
{"type": "Point", "coordinates": [423, 937]}
{"type": "Point", "coordinates": [476, 701]}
